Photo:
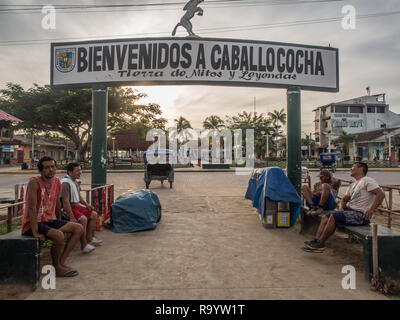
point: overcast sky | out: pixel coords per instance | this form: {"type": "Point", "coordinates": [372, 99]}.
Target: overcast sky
{"type": "Point", "coordinates": [368, 55]}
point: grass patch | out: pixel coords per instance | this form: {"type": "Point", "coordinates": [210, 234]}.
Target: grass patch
{"type": "Point", "coordinates": [14, 226]}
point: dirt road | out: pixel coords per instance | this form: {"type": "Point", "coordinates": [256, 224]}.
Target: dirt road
{"type": "Point", "coordinates": [209, 245]}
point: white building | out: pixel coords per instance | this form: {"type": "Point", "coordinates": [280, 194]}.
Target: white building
{"type": "Point", "coordinates": [354, 116]}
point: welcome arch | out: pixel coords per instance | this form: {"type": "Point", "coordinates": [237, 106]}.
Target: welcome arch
{"type": "Point", "coordinates": [194, 61]}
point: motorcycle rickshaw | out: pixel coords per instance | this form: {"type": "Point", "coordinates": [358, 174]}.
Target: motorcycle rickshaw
{"type": "Point", "coordinates": [158, 171]}
{"type": "Point", "coordinates": [328, 161]}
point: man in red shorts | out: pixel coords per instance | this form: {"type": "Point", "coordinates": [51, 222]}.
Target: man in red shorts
{"type": "Point", "coordinates": [77, 209]}
{"type": "Point", "coordinates": [43, 201]}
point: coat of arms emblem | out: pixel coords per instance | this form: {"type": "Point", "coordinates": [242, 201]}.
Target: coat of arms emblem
{"type": "Point", "coordinates": [65, 59]}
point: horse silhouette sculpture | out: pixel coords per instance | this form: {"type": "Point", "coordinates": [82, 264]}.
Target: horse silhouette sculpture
{"type": "Point", "coordinates": [191, 9]}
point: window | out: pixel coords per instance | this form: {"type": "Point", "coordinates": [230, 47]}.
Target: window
{"type": "Point", "coordinates": [341, 109]}
{"type": "Point", "coordinates": [380, 109]}
{"type": "Point", "coordinates": [356, 109]}
{"type": "Point", "coordinates": [371, 110]}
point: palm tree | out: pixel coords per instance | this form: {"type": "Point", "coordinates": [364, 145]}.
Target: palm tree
{"type": "Point", "coordinates": [345, 139]}
{"type": "Point", "coordinates": [213, 122]}
{"type": "Point", "coordinates": [277, 118]}
{"type": "Point", "coordinates": [182, 124]}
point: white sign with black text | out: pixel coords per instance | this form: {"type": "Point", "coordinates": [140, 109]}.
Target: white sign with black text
{"type": "Point", "coordinates": [158, 61]}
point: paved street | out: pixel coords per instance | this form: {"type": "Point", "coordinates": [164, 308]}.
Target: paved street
{"type": "Point", "coordinates": [208, 245]}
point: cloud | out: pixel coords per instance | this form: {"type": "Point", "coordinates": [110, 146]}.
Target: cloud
{"type": "Point", "coordinates": [368, 55]}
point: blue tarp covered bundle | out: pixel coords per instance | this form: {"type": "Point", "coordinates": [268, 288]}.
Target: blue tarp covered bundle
{"type": "Point", "coordinates": [274, 184]}
{"type": "Point", "coordinates": [135, 211]}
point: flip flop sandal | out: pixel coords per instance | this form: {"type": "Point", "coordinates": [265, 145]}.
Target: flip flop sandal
{"type": "Point", "coordinates": [68, 274]}
{"type": "Point", "coordinates": [313, 250]}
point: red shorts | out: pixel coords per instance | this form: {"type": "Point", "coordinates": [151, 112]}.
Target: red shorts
{"type": "Point", "coordinates": [80, 211]}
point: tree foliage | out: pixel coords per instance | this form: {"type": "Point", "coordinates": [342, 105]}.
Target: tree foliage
{"type": "Point", "coordinates": [69, 112]}
{"type": "Point", "coordinates": [213, 122]}
{"type": "Point", "coordinates": [344, 140]}
{"type": "Point", "coordinates": [278, 119]}
{"type": "Point", "coordinates": [258, 122]}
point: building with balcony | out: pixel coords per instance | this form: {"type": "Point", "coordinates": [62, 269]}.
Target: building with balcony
{"type": "Point", "coordinates": [354, 116]}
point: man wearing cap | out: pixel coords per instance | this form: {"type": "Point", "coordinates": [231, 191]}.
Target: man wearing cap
{"type": "Point", "coordinates": [356, 208]}
{"type": "Point", "coordinates": [324, 193]}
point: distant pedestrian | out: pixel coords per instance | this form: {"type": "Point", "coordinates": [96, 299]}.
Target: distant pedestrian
{"type": "Point", "coordinates": [43, 203]}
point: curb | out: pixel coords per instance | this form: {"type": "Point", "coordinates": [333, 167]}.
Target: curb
{"type": "Point", "coordinates": [124, 171]}
{"type": "Point", "coordinates": [197, 170]}
{"type": "Point", "coordinates": [192, 170]}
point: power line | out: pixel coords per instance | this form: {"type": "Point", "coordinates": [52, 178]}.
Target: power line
{"type": "Point", "coordinates": [214, 4]}
{"type": "Point", "coordinates": [205, 30]}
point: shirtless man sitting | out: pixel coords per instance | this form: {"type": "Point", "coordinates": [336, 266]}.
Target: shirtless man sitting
{"type": "Point", "coordinates": [324, 193]}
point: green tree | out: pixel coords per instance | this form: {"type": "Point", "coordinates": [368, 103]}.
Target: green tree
{"type": "Point", "coordinates": [308, 142]}
{"type": "Point", "coordinates": [69, 112]}
{"type": "Point", "coordinates": [278, 118]}
{"type": "Point", "coordinates": [182, 124]}
{"type": "Point", "coordinates": [344, 141]}
{"type": "Point", "coordinates": [258, 122]}
{"type": "Point", "coordinates": [213, 122]}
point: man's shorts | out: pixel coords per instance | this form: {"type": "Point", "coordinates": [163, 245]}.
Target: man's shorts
{"type": "Point", "coordinates": [330, 204]}
{"type": "Point", "coordinates": [44, 227]}
{"type": "Point", "coordinates": [80, 211]}
{"type": "Point", "coordinates": [348, 217]}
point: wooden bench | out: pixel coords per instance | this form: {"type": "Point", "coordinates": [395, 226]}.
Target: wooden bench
{"type": "Point", "coordinates": [19, 258]}
{"type": "Point", "coordinates": [388, 244]}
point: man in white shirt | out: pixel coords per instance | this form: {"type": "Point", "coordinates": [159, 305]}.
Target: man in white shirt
{"type": "Point", "coordinates": [356, 208]}
{"type": "Point", "coordinates": [77, 209]}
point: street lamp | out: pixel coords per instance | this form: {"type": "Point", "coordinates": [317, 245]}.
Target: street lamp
{"type": "Point", "coordinates": [329, 142]}
{"type": "Point", "coordinates": [113, 139]}
{"type": "Point", "coordinates": [267, 152]}
{"type": "Point", "coordinates": [388, 136]}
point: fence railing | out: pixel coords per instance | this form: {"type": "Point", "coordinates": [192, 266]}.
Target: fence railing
{"type": "Point", "coordinates": [386, 209]}
{"type": "Point", "coordinates": [12, 215]}
{"type": "Point", "coordinates": [101, 197]}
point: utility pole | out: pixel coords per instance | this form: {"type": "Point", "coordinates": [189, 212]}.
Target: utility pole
{"type": "Point", "coordinates": [33, 149]}
{"type": "Point", "coordinates": [390, 151]}
{"type": "Point", "coordinates": [99, 141]}
{"type": "Point", "coordinates": [294, 137]}
{"type": "Point", "coordinates": [329, 142]}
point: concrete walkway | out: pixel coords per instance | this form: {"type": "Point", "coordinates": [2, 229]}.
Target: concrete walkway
{"type": "Point", "coordinates": [209, 245]}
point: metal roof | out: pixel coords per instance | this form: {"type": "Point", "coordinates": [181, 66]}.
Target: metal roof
{"type": "Point", "coordinates": [4, 116]}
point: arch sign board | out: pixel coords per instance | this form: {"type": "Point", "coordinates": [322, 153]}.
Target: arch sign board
{"type": "Point", "coordinates": [197, 61]}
